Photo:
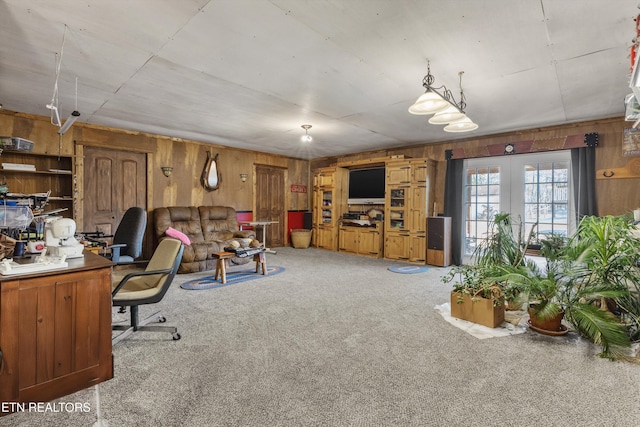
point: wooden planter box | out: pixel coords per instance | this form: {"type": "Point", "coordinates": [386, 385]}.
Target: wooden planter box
{"type": "Point", "coordinates": [479, 311]}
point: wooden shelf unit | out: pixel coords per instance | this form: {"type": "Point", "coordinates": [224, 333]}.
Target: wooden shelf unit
{"type": "Point", "coordinates": [409, 193]}
{"type": "Point", "coordinates": [402, 236]}
{"type": "Point", "coordinates": [55, 173]}
{"type": "Point", "coordinates": [329, 203]}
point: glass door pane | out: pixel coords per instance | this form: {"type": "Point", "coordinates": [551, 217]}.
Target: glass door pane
{"type": "Point", "coordinates": [482, 203]}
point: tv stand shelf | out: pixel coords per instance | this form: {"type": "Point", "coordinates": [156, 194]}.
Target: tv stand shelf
{"type": "Point", "coordinates": [400, 232]}
{"type": "Point", "coordinates": [366, 240]}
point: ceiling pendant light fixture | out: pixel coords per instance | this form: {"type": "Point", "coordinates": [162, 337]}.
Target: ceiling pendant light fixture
{"type": "Point", "coordinates": [448, 115]}
{"type": "Point", "coordinates": [443, 105]}
{"type": "Point", "coordinates": [428, 103]}
{"type": "Point", "coordinates": [306, 137]}
{"type": "Point", "coordinates": [462, 125]}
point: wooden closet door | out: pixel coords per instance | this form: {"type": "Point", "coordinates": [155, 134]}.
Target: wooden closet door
{"type": "Point", "coordinates": [270, 203]}
{"type": "Point", "coordinates": [114, 181]}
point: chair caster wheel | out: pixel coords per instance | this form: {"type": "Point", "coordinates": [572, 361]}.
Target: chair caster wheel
{"type": "Point", "coordinates": [162, 319]}
{"type": "Point", "coordinates": [176, 336]}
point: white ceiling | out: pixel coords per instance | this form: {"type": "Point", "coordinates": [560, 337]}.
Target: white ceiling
{"type": "Point", "coordinates": [249, 73]}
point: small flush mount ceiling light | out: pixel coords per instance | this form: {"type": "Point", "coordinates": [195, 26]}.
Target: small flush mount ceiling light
{"type": "Point", "coordinates": [243, 177]}
{"type": "Point", "coordinates": [167, 171]}
{"type": "Point", "coordinates": [440, 102]}
{"type": "Point", "coordinates": [306, 137]}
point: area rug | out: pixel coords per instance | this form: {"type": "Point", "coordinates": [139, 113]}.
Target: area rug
{"type": "Point", "coordinates": [408, 269]}
{"type": "Point", "coordinates": [513, 325]}
{"type": "Point", "coordinates": [233, 277]}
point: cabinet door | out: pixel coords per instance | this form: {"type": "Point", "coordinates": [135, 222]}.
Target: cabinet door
{"type": "Point", "coordinates": [418, 209]}
{"type": "Point", "coordinates": [399, 175]}
{"type": "Point", "coordinates": [326, 179]}
{"type": "Point", "coordinates": [314, 236]}
{"type": "Point", "coordinates": [418, 247]}
{"type": "Point", "coordinates": [326, 238]}
{"type": "Point", "coordinates": [419, 173]}
{"type": "Point", "coordinates": [323, 211]}
{"type": "Point", "coordinates": [369, 242]}
{"type": "Point", "coordinates": [396, 246]}
{"type": "Point", "coordinates": [348, 239]}
{"type": "Point", "coordinates": [327, 211]}
{"type": "Point", "coordinates": [36, 326]}
{"type": "Point", "coordinates": [397, 209]}
{"type": "Point", "coordinates": [317, 205]}
{"type": "Point", "coordinates": [55, 334]}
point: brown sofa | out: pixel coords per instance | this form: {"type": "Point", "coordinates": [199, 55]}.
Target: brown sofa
{"type": "Point", "coordinates": [210, 229]}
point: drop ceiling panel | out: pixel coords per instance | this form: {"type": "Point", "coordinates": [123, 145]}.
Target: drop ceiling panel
{"type": "Point", "coordinates": [249, 73]}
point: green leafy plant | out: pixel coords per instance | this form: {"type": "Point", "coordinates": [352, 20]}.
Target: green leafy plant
{"type": "Point", "coordinates": [595, 266]}
{"type": "Point", "coordinates": [505, 244]}
{"type": "Point", "coordinates": [472, 280]}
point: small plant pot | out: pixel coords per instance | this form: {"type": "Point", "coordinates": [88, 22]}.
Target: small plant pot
{"type": "Point", "coordinates": [552, 326]}
{"type": "Point", "coordinates": [476, 310]}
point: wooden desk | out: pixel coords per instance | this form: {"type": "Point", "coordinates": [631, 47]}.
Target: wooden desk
{"type": "Point", "coordinates": [55, 330]}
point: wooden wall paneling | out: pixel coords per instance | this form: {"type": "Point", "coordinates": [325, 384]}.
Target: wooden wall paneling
{"type": "Point", "coordinates": [232, 191]}
{"type": "Point", "coordinates": [79, 190]}
{"type": "Point", "coordinates": [298, 174]}
{"type": "Point", "coordinates": [613, 198]}
{"type": "Point", "coordinates": [37, 129]}
{"type": "Point", "coordinates": [165, 190]}
{"type": "Point", "coordinates": [116, 139]}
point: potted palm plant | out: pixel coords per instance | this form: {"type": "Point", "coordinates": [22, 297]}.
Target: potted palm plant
{"type": "Point", "coordinates": [594, 266]}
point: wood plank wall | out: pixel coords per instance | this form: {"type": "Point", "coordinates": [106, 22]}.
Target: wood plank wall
{"type": "Point", "coordinates": [614, 196]}
{"type": "Point", "coordinates": [187, 158]}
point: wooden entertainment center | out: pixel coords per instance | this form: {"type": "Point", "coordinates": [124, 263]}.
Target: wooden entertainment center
{"type": "Point", "coordinates": [55, 330]}
{"type": "Point", "coordinates": [409, 196]}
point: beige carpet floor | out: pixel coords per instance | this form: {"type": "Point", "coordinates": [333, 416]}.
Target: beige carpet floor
{"type": "Point", "coordinates": [338, 340]}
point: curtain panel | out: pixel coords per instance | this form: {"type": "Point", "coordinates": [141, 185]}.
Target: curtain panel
{"type": "Point", "coordinates": [583, 166]}
{"type": "Point", "coordinates": [453, 188]}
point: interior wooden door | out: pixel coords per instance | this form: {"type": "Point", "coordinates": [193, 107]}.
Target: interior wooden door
{"type": "Point", "coordinates": [114, 181]}
{"type": "Point", "coordinates": [270, 203]}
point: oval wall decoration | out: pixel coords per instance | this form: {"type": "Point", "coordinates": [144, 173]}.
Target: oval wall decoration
{"type": "Point", "coordinates": [210, 176]}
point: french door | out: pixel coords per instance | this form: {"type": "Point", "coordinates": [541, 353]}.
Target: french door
{"type": "Point", "coordinates": [533, 188]}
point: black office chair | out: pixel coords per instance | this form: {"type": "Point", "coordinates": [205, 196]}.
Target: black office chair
{"type": "Point", "coordinates": [126, 245]}
{"type": "Point", "coordinates": [127, 241]}
{"type": "Point", "coordinates": [148, 287]}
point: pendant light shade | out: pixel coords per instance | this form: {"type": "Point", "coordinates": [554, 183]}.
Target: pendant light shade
{"type": "Point", "coordinates": [440, 102]}
{"type": "Point", "coordinates": [448, 115]}
{"type": "Point", "coordinates": [428, 103]}
{"type": "Point", "coordinates": [464, 125]}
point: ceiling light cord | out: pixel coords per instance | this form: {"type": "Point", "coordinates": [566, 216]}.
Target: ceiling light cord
{"type": "Point", "coordinates": [463, 103]}
{"type": "Point", "coordinates": [53, 106]}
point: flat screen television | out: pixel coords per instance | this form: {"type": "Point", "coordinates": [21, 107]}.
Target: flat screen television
{"type": "Point", "coordinates": [366, 186]}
